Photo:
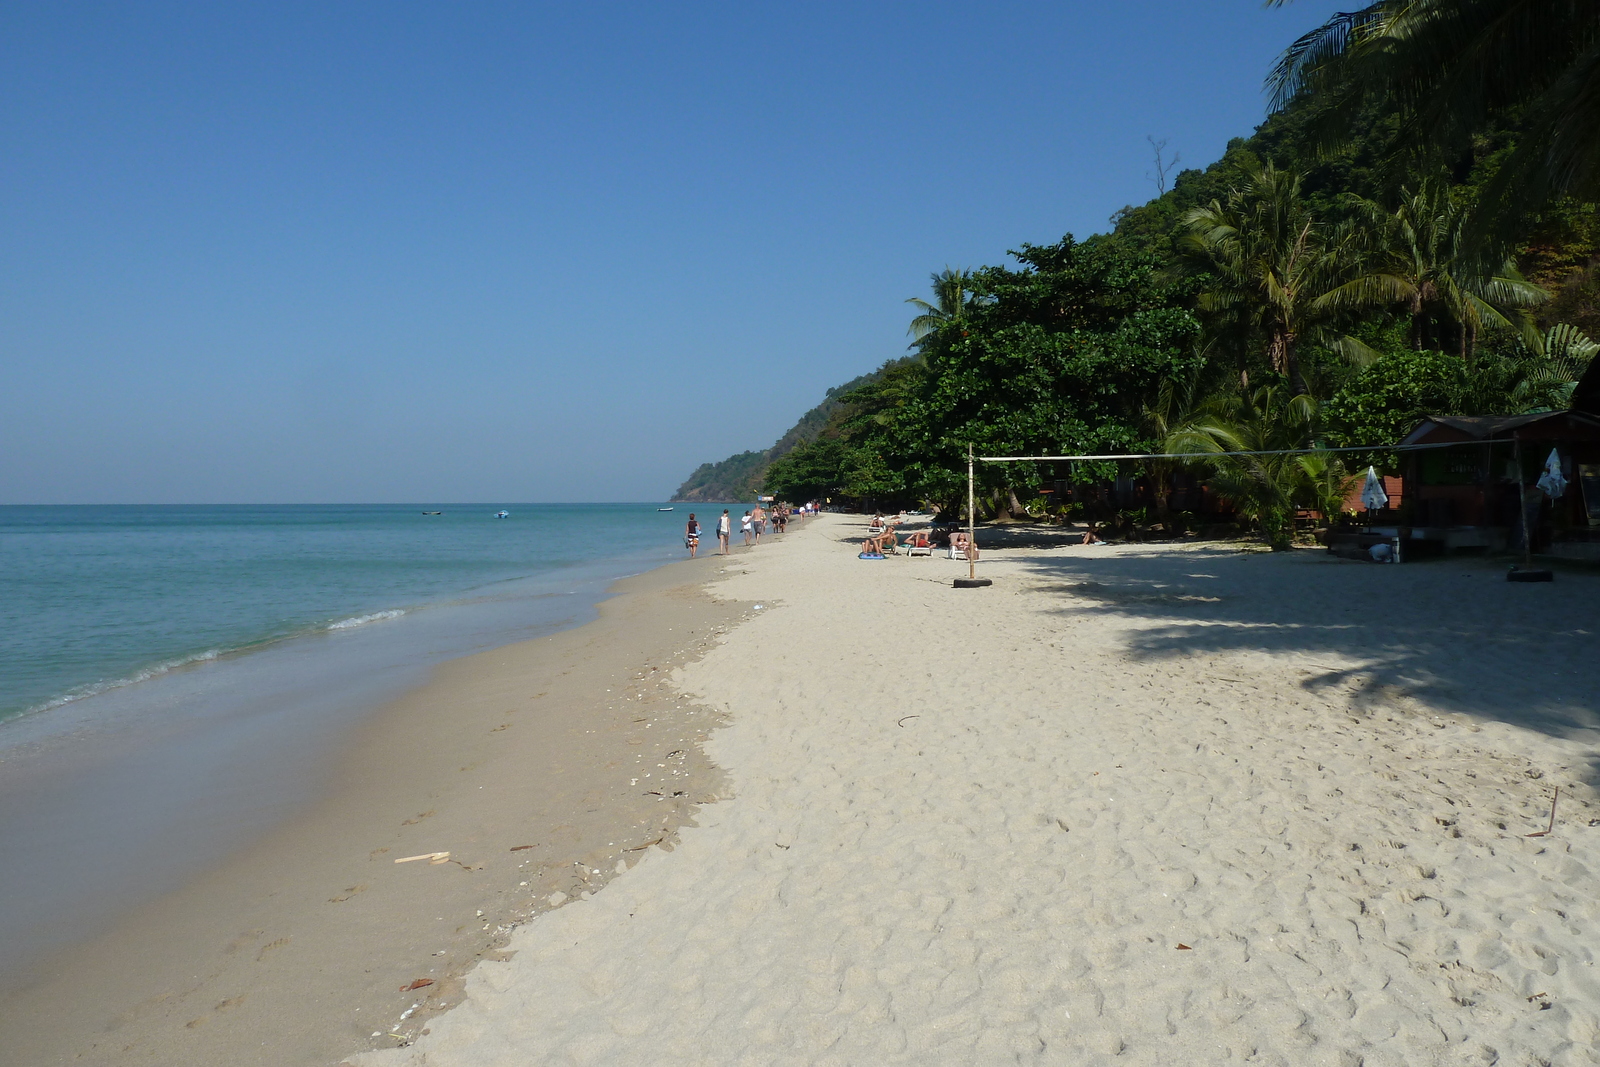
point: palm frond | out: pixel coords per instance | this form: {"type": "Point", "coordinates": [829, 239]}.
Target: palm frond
{"type": "Point", "coordinates": [1367, 291]}
{"type": "Point", "coordinates": [1353, 351]}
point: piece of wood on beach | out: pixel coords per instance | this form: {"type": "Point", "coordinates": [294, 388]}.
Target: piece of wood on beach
{"type": "Point", "coordinates": [420, 983]}
{"type": "Point", "coordinates": [647, 844]}
{"type": "Point", "coordinates": [431, 857]}
{"type": "Point", "coordinates": [522, 848]}
{"type": "Point", "coordinates": [1548, 829]}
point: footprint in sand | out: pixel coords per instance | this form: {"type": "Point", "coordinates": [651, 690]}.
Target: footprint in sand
{"type": "Point", "coordinates": [269, 946]}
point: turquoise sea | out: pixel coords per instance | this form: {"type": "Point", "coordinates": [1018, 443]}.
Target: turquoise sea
{"type": "Point", "coordinates": [174, 680]}
{"type": "Point", "coordinates": [96, 597]}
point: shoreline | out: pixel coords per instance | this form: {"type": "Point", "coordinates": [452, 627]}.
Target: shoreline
{"type": "Point", "coordinates": [120, 798]}
{"type": "Point", "coordinates": [294, 951]}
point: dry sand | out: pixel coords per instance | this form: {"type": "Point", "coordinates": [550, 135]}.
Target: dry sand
{"type": "Point", "coordinates": [295, 951]}
{"type": "Point", "coordinates": [1165, 805]}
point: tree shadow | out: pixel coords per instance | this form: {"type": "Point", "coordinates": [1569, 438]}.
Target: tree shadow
{"type": "Point", "coordinates": [1451, 634]}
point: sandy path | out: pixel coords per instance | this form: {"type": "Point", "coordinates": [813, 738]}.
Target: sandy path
{"type": "Point", "coordinates": [1116, 752]}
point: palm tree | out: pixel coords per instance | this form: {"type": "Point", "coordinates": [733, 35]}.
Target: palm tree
{"type": "Point", "coordinates": [1417, 256]}
{"type": "Point", "coordinates": [953, 298]}
{"type": "Point", "coordinates": [1268, 262]}
{"type": "Point", "coordinates": [1262, 488]}
{"type": "Point", "coordinates": [1178, 402]}
{"type": "Point", "coordinates": [1451, 66]}
{"type": "Point", "coordinates": [1538, 376]}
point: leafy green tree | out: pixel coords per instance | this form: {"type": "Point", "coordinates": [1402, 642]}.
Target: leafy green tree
{"type": "Point", "coordinates": [810, 471]}
{"type": "Point", "coordinates": [1061, 357]}
{"type": "Point", "coordinates": [1382, 402]}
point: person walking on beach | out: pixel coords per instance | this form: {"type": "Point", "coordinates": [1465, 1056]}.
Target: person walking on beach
{"type": "Point", "coordinates": [745, 528]}
{"type": "Point", "coordinates": [758, 522]}
{"type": "Point", "coordinates": [723, 526]}
{"type": "Point", "coordinates": [691, 536]}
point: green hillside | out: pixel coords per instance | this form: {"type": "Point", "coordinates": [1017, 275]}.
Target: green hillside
{"type": "Point", "coordinates": [739, 477]}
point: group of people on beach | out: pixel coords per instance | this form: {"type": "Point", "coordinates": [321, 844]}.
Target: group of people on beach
{"type": "Point", "coordinates": [752, 525]}
{"type": "Point", "coordinates": [882, 541]}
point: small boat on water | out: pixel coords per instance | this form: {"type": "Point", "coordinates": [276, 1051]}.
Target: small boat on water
{"type": "Point", "coordinates": [433, 513]}
{"type": "Point", "coordinates": [502, 514]}
{"type": "Point", "coordinates": [663, 509]}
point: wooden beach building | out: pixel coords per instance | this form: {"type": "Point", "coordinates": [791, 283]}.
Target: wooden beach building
{"type": "Point", "coordinates": [1467, 497]}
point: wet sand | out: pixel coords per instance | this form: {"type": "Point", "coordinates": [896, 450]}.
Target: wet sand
{"type": "Point", "coordinates": [520, 762]}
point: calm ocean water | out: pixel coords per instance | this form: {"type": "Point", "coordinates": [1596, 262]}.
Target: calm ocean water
{"type": "Point", "coordinates": [96, 597]}
{"type": "Point", "coordinates": [174, 681]}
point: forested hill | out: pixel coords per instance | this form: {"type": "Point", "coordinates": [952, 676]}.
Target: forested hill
{"type": "Point", "coordinates": [739, 477]}
{"type": "Point", "coordinates": [1353, 266]}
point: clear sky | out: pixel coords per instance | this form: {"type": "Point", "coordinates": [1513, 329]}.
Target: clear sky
{"type": "Point", "coordinates": [278, 252]}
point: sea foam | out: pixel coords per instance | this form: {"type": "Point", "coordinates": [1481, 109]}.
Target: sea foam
{"type": "Point", "coordinates": [362, 620]}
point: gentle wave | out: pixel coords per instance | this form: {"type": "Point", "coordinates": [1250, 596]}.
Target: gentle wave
{"type": "Point", "coordinates": [96, 688]}
{"type": "Point", "coordinates": [362, 620]}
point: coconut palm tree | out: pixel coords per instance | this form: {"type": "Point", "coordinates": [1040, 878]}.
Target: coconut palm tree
{"type": "Point", "coordinates": [1544, 374]}
{"type": "Point", "coordinates": [1450, 66]}
{"type": "Point", "coordinates": [1417, 257]}
{"type": "Point", "coordinates": [1178, 402]}
{"type": "Point", "coordinates": [952, 299]}
{"type": "Point", "coordinates": [1261, 487]}
{"type": "Point", "coordinates": [1267, 260]}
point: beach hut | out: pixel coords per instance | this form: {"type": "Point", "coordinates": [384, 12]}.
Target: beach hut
{"type": "Point", "coordinates": [1469, 496]}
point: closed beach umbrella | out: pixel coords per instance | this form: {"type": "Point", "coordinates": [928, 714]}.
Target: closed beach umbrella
{"type": "Point", "coordinates": [1552, 481]}
{"type": "Point", "coordinates": [1373, 498]}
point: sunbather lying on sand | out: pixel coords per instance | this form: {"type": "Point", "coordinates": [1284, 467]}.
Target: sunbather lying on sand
{"type": "Point", "coordinates": [874, 546]}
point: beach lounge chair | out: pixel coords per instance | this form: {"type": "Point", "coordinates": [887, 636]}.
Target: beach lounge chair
{"type": "Point", "coordinates": [918, 545]}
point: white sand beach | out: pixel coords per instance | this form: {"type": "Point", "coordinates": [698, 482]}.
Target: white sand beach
{"type": "Point", "coordinates": [1145, 805]}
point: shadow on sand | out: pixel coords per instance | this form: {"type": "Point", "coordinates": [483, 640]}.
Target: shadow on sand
{"type": "Point", "coordinates": [1453, 635]}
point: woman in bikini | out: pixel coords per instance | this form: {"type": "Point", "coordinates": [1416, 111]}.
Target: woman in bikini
{"type": "Point", "coordinates": [691, 536]}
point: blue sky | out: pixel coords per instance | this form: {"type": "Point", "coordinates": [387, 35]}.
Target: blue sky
{"type": "Point", "coordinates": [509, 252]}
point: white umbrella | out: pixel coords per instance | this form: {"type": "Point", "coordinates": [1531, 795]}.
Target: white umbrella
{"type": "Point", "coordinates": [1552, 481]}
{"type": "Point", "coordinates": [1373, 498]}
